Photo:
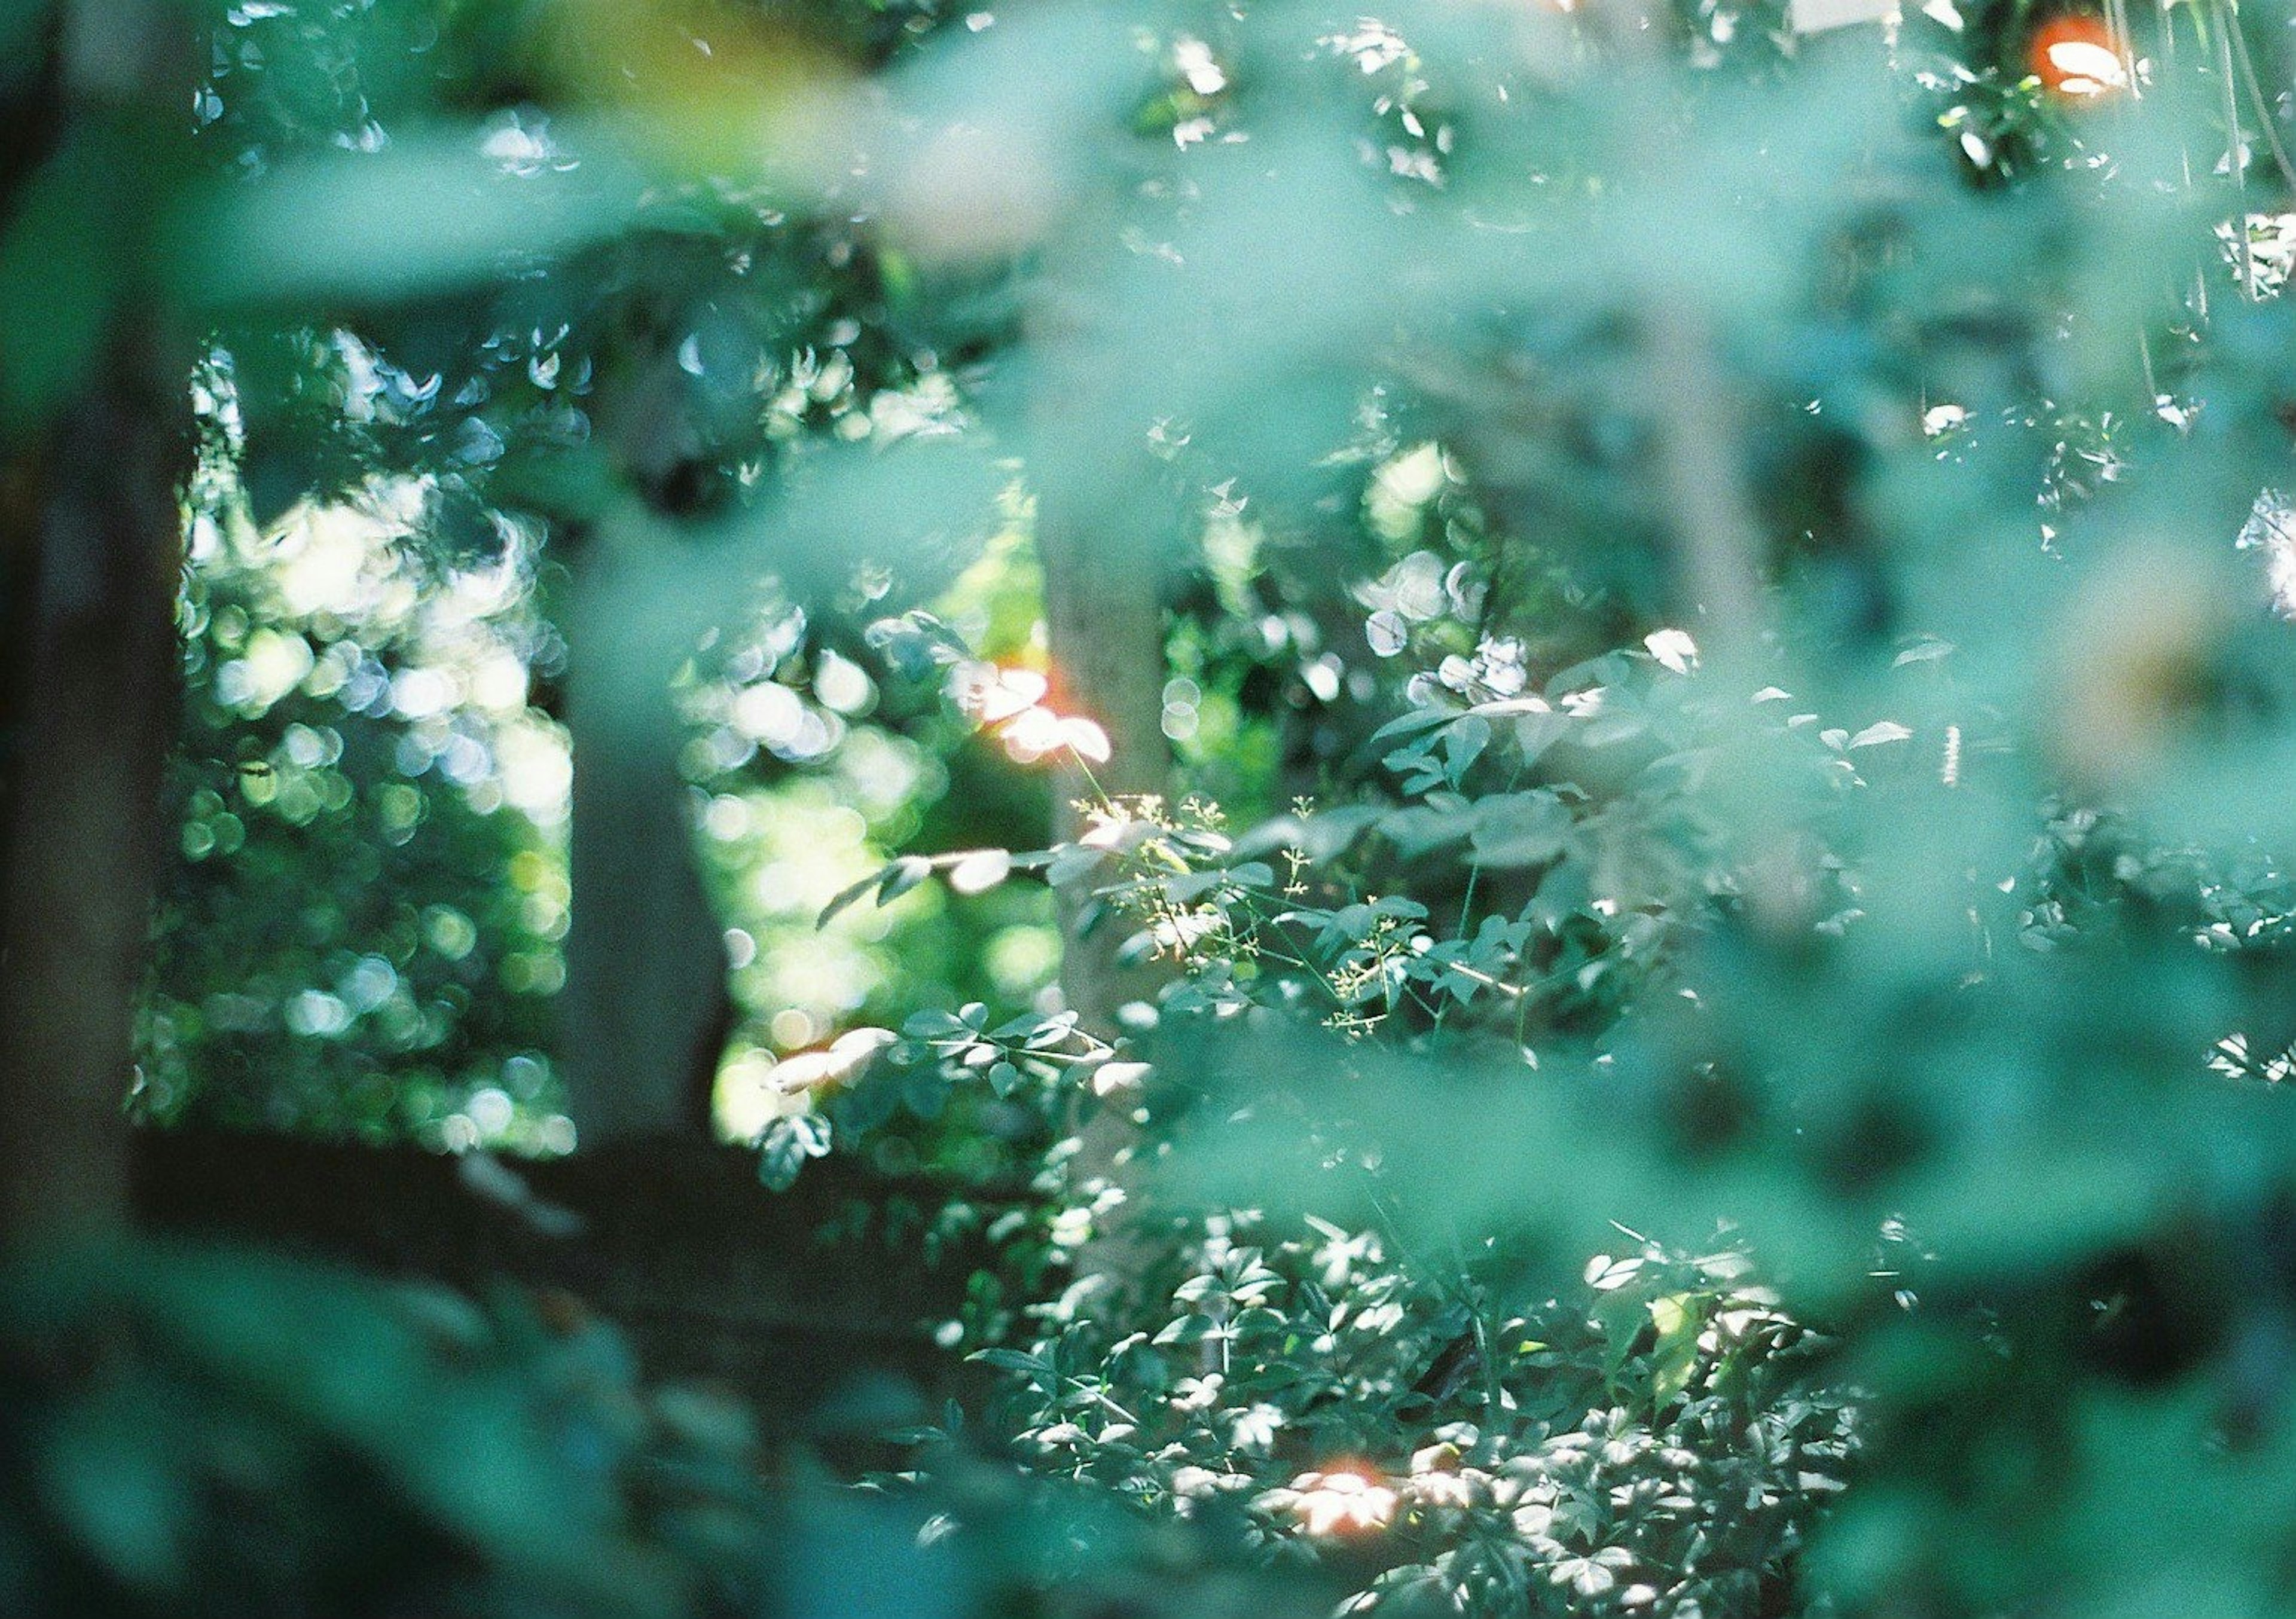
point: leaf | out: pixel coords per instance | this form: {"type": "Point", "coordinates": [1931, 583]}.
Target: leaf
{"type": "Point", "coordinates": [856, 1046]}
{"type": "Point", "coordinates": [980, 871]}
{"type": "Point", "coordinates": [1025, 1026]}
{"type": "Point", "coordinates": [1185, 887]}
{"type": "Point", "coordinates": [1321, 837]}
{"type": "Point", "coordinates": [903, 875]}
{"type": "Point", "coordinates": [1413, 722]}
{"type": "Point", "coordinates": [1085, 739]}
{"type": "Point", "coordinates": [1112, 1078]}
{"type": "Point", "coordinates": [1068, 864]}
{"type": "Point", "coordinates": [1567, 890]}
{"type": "Point", "coordinates": [848, 897]}
{"type": "Point", "coordinates": [1187, 1329]}
{"type": "Point", "coordinates": [1674, 1358]}
{"type": "Point", "coordinates": [1053, 1031]}
{"type": "Point", "coordinates": [788, 1142]}
{"type": "Point", "coordinates": [118, 1494]}
{"type": "Point", "coordinates": [1463, 745]}
{"type": "Point", "coordinates": [1422, 829]}
{"type": "Point", "coordinates": [1014, 1360]}
{"type": "Point", "coordinates": [1605, 1274]}
{"type": "Point", "coordinates": [429, 214]}
{"type": "Point", "coordinates": [1879, 731]}
{"type": "Point", "coordinates": [1520, 829]}
{"type": "Point", "coordinates": [1674, 649]}
{"type": "Point", "coordinates": [1608, 729]}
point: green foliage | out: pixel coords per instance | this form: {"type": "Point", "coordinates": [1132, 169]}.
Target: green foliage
{"type": "Point", "coordinates": [1757, 556]}
{"type": "Point", "coordinates": [363, 933]}
{"type": "Point", "coordinates": [195, 1430]}
{"type": "Point", "coordinates": [1627, 1447]}
{"type": "Point", "coordinates": [1877, 907]}
{"type": "Point", "coordinates": [1651, 1439]}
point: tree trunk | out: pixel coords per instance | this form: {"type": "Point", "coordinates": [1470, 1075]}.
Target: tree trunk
{"type": "Point", "coordinates": [92, 504]}
{"type": "Point", "coordinates": [1104, 629]}
{"type": "Point", "coordinates": [1103, 537]}
{"type": "Point", "coordinates": [646, 1011]}
{"type": "Point", "coordinates": [1103, 561]}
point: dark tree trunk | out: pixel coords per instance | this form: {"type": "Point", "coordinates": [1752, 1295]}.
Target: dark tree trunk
{"type": "Point", "coordinates": [98, 705]}
{"type": "Point", "coordinates": [646, 1011]}
{"type": "Point", "coordinates": [92, 504]}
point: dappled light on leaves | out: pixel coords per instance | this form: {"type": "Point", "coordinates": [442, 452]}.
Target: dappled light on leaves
{"type": "Point", "coordinates": [1480, 812]}
{"type": "Point", "coordinates": [1342, 1501]}
{"type": "Point", "coordinates": [1009, 703]}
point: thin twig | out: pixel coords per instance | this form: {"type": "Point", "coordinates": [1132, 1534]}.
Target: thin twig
{"type": "Point", "coordinates": [2264, 110]}
{"type": "Point", "coordinates": [2236, 155]}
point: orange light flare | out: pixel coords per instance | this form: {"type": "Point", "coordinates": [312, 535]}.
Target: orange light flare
{"type": "Point", "coordinates": [1346, 1499]}
{"type": "Point", "coordinates": [1010, 705]}
{"type": "Point", "coordinates": [2078, 57]}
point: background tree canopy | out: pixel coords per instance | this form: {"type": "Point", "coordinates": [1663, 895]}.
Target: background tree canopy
{"type": "Point", "coordinates": [1242, 809]}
